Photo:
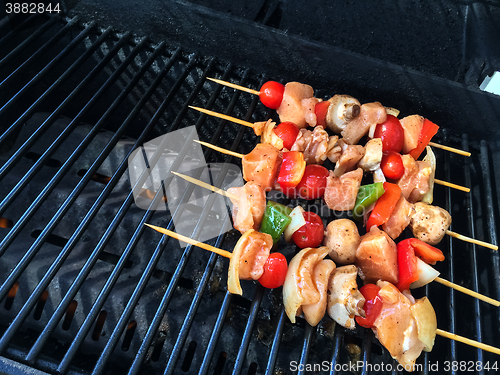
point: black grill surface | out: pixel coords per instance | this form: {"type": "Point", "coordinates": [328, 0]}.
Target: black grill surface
{"type": "Point", "coordinates": [86, 289]}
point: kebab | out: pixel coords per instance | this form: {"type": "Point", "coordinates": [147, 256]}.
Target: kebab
{"type": "Point", "coordinates": [295, 101]}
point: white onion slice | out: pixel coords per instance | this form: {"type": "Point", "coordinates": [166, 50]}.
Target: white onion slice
{"type": "Point", "coordinates": [431, 159]}
{"type": "Point", "coordinates": [297, 222]}
{"type": "Point", "coordinates": [426, 274]}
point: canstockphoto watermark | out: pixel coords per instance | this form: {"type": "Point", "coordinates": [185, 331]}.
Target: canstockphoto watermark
{"type": "Point", "coordinates": [327, 366]}
{"type": "Point", "coordinates": [155, 187]}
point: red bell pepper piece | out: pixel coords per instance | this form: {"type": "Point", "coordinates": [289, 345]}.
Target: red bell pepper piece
{"type": "Point", "coordinates": [385, 205]}
{"type": "Point", "coordinates": [429, 129]}
{"type": "Point", "coordinates": [292, 169]}
{"type": "Point", "coordinates": [372, 306]}
{"type": "Point", "coordinates": [426, 252]}
{"type": "Point", "coordinates": [320, 110]}
{"type": "Point", "coordinates": [407, 265]}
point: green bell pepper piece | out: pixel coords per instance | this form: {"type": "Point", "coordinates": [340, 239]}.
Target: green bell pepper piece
{"type": "Point", "coordinates": [367, 195]}
{"type": "Point", "coordinates": [276, 219]}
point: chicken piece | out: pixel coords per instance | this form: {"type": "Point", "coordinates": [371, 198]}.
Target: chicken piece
{"type": "Point", "coordinates": [395, 327]}
{"type": "Point", "coordinates": [262, 165]}
{"type": "Point", "coordinates": [344, 299]}
{"type": "Point", "coordinates": [334, 150]}
{"type": "Point", "coordinates": [399, 219]}
{"type": "Point", "coordinates": [313, 144]}
{"type": "Point", "coordinates": [350, 156]}
{"type": "Point", "coordinates": [248, 259]}
{"type": "Point", "coordinates": [340, 193]}
{"type": "Point", "coordinates": [376, 257]}
{"type": "Point", "coordinates": [321, 274]}
{"type": "Point", "coordinates": [342, 110]}
{"type": "Point", "coordinates": [298, 105]}
{"type": "Point", "coordinates": [299, 287]}
{"type": "Point", "coordinates": [429, 223]}
{"type": "Point", "coordinates": [371, 114]}
{"type": "Point", "coordinates": [412, 126]}
{"type": "Point", "coordinates": [408, 181]}
{"type": "Point", "coordinates": [422, 181]}
{"type": "Point", "coordinates": [249, 208]}
{"type": "Point", "coordinates": [370, 161]}
{"type": "Point", "coordinates": [342, 239]}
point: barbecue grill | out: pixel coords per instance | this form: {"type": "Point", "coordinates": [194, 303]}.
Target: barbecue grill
{"type": "Point", "coordinates": [87, 289]}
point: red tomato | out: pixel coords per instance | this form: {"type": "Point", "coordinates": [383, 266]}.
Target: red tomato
{"type": "Point", "coordinates": [320, 111]}
{"type": "Point", "coordinates": [274, 271]}
{"type": "Point", "coordinates": [392, 134]}
{"type": "Point", "coordinates": [392, 165]}
{"type": "Point", "coordinates": [313, 183]}
{"type": "Point", "coordinates": [271, 94]}
{"type": "Point", "coordinates": [311, 234]}
{"type": "Point", "coordinates": [372, 307]}
{"type": "Point", "coordinates": [287, 131]}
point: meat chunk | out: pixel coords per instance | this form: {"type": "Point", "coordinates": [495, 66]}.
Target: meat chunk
{"type": "Point", "coordinates": [371, 114]}
{"type": "Point", "coordinates": [340, 193]}
{"type": "Point", "coordinates": [345, 301]}
{"type": "Point", "coordinates": [395, 327]}
{"type": "Point", "coordinates": [412, 126]}
{"type": "Point", "coordinates": [373, 155]}
{"type": "Point", "coordinates": [249, 208]}
{"type": "Point", "coordinates": [262, 165]}
{"type": "Point", "coordinates": [350, 156]}
{"type": "Point", "coordinates": [422, 181]}
{"type": "Point", "coordinates": [314, 145]}
{"type": "Point", "coordinates": [342, 239]}
{"type": "Point", "coordinates": [376, 257]}
{"type": "Point", "coordinates": [248, 259]}
{"type": "Point", "coordinates": [429, 223]}
{"type": "Point", "coordinates": [400, 218]}
{"type": "Point", "coordinates": [298, 105]}
{"type": "Point", "coordinates": [299, 288]}
{"type": "Point", "coordinates": [407, 182]}
{"type": "Point", "coordinates": [321, 274]}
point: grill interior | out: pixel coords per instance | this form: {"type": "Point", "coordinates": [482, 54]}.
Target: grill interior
{"type": "Point", "coordinates": [86, 289]}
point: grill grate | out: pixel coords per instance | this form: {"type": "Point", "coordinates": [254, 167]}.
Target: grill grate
{"type": "Point", "coordinates": [86, 290]}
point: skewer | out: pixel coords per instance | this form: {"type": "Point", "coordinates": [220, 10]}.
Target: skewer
{"type": "Point", "coordinates": [227, 152]}
{"type": "Point", "coordinates": [223, 116]}
{"type": "Point", "coordinates": [467, 341]}
{"type": "Point", "coordinates": [438, 279]}
{"type": "Point", "coordinates": [471, 240]}
{"type": "Point", "coordinates": [180, 237]}
{"type": "Point", "coordinates": [392, 110]}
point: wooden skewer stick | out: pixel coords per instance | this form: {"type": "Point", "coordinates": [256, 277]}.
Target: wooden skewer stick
{"type": "Point", "coordinates": [467, 341]}
{"type": "Point", "coordinates": [453, 186]}
{"type": "Point", "coordinates": [471, 240]}
{"type": "Point", "coordinates": [468, 291]}
{"type": "Point", "coordinates": [451, 149]}
{"type": "Point", "coordinates": [234, 86]}
{"type": "Point", "coordinates": [207, 186]}
{"type": "Point", "coordinates": [223, 116]}
{"type": "Point", "coordinates": [180, 237]}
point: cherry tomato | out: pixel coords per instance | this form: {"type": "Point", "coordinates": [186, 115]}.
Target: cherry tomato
{"type": "Point", "coordinates": [372, 307]}
{"type": "Point", "coordinates": [392, 134]}
{"type": "Point", "coordinates": [392, 166]}
{"type": "Point", "coordinates": [287, 131]}
{"type": "Point", "coordinates": [313, 183]}
{"type": "Point", "coordinates": [311, 234]}
{"type": "Point", "coordinates": [271, 94]}
{"type": "Point", "coordinates": [274, 271]}
{"type": "Point", "coordinates": [320, 110]}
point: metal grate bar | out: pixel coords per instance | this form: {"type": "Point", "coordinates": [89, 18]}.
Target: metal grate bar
{"type": "Point", "coordinates": [27, 41]}
{"type": "Point", "coordinates": [70, 199]}
{"type": "Point", "coordinates": [42, 72]}
{"type": "Point", "coordinates": [273, 355]}
{"type": "Point", "coordinates": [306, 346]}
{"type": "Point", "coordinates": [92, 315]}
{"type": "Point", "coordinates": [134, 298]}
{"type": "Point", "coordinates": [68, 247]}
{"type": "Point", "coordinates": [50, 120]}
{"type": "Point", "coordinates": [26, 22]}
{"type": "Point", "coordinates": [367, 347]}
{"type": "Point", "coordinates": [473, 254]}
{"type": "Point", "coordinates": [339, 338]}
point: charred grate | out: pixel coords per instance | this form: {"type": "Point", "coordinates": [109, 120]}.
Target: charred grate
{"type": "Point", "coordinates": [86, 290]}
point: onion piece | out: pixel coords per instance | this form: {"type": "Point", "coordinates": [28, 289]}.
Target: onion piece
{"type": "Point", "coordinates": [233, 272]}
{"type": "Point", "coordinates": [425, 317]}
{"type": "Point", "coordinates": [269, 136]}
{"type": "Point", "coordinates": [297, 222]}
{"type": "Point", "coordinates": [431, 159]}
{"type": "Point", "coordinates": [426, 274]}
